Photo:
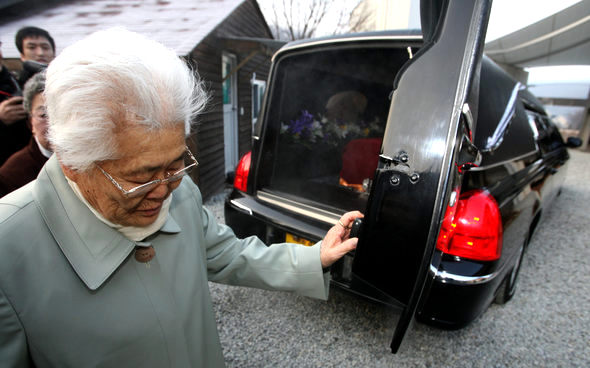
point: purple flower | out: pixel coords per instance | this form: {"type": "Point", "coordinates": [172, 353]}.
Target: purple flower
{"type": "Point", "coordinates": [302, 125]}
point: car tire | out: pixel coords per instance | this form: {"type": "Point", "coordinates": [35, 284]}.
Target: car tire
{"type": "Point", "coordinates": [508, 287]}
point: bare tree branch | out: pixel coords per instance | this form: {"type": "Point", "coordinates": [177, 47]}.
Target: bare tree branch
{"type": "Point", "coordinates": [359, 22]}
{"type": "Point", "coordinates": [276, 27]}
{"type": "Point", "coordinates": [293, 20]}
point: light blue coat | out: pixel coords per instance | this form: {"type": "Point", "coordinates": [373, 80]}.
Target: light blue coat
{"type": "Point", "coordinates": [73, 295]}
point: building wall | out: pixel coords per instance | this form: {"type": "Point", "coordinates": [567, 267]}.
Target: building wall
{"type": "Point", "coordinates": [207, 138]}
{"type": "Point", "coordinates": [568, 104]}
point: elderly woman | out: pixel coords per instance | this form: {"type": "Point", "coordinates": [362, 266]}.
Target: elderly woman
{"type": "Point", "coordinates": [24, 165]}
{"type": "Point", "coordinates": [104, 259]}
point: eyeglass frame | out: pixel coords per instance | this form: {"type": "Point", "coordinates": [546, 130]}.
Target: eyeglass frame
{"type": "Point", "coordinates": [131, 193]}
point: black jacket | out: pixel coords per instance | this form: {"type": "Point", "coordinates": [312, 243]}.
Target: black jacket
{"type": "Point", "coordinates": [15, 136]}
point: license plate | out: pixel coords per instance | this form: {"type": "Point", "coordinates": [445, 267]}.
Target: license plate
{"type": "Point", "coordinates": [290, 238]}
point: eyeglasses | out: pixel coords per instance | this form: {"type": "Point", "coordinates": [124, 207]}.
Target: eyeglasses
{"type": "Point", "coordinates": [149, 186]}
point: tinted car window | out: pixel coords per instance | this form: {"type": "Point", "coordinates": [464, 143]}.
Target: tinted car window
{"type": "Point", "coordinates": [555, 141]}
{"type": "Point", "coordinates": [548, 137]}
{"type": "Point", "coordinates": [518, 139]}
{"type": "Point", "coordinates": [326, 120]}
{"type": "Point", "coordinates": [503, 131]}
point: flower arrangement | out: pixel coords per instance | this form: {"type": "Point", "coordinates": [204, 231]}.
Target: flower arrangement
{"type": "Point", "coordinates": [310, 130]}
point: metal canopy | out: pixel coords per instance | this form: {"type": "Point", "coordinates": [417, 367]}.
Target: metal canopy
{"type": "Point", "coordinates": [561, 39]}
{"type": "Point", "coordinates": [247, 44]}
{"type": "Point", "coordinates": [253, 46]}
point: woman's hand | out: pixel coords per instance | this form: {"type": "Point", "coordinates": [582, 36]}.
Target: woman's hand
{"type": "Point", "coordinates": [337, 243]}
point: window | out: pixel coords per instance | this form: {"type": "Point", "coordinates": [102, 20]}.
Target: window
{"type": "Point", "coordinates": [258, 88]}
{"type": "Point", "coordinates": [324, 124]}
{"type": "Point", "coordinates": [547, 135]}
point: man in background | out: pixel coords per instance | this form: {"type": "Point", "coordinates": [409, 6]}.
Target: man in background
{"type": "Point", "coordinates": [37, 50]}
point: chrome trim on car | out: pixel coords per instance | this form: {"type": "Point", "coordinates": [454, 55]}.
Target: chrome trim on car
{"type": "Point", "coordinates": [348, 40]}
{"type": "Point", "coordinates": [512, 159]}
{"type": "Point", "coordinates": [300, 208]}
{"type": "Point", "coordinates": [450, 278]}
{"type": "Point", "coordinates": [241, 207]}
{"type": "Point", "coordinates": [466, 110]}
{"type": "Point", "coordinates": [498, 136]}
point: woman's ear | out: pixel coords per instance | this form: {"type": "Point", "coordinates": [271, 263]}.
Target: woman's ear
{"type": "Point", "coordinates": [69, 172]}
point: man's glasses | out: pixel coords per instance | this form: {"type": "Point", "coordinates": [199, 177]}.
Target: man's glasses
{"type": "Point", "coordinates": [149, 186]}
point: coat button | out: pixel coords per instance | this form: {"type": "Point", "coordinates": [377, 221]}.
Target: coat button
{"type": "Point", "coordinates": [144, 254]}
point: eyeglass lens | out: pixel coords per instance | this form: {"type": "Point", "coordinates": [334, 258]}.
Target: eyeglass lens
{"type": "Point", "coordinates": [190, 163]}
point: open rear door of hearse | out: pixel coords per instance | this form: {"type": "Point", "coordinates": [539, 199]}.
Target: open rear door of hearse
{"type": "Point", "coordinates": [431, 121]}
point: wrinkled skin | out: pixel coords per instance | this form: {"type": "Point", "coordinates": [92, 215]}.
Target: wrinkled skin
{"type": "Point", "coordinates": [143, 156]}
{"type": "Point", "coordinates": [337, 241]}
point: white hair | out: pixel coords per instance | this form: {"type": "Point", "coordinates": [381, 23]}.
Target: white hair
{"type": "Point", "coordinates": [110, 79]}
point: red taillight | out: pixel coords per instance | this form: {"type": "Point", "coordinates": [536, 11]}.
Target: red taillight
{"type": "Point", "coordinates": [242, 171]}
{"type": "Point", "coordinates": [472, 228]}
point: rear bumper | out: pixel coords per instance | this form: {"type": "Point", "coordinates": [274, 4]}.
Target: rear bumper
{"type": "Point", "coordinates": [445, 277]}
{"type": "Point", "coordinates": [248, 215]}
{"type": "Point", "coordinates": [455, 300]}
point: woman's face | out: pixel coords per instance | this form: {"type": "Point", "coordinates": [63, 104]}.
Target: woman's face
{"type": "Point", "coordinates": [39, 120]}
{"type": "Point", "coordinates": [143, 156]}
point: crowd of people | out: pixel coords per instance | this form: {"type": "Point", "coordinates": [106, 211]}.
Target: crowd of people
{"type": "Point", "coordinates": [24, 147]}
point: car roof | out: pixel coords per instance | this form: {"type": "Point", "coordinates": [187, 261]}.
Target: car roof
{"type": "Point", "coordinates": [406, 34]}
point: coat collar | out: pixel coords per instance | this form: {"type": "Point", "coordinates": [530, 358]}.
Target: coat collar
{"type": "Point", "coordinates": [94, 249]}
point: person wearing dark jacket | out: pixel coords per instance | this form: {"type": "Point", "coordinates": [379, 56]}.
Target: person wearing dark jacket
{"type": "Point", "coordinates": [23, 166]}
{"type": "Point", "coordinates": [14, 132]}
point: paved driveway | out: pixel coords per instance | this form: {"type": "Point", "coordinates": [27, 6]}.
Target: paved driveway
{"type": "Point", "coordinates": [546, 324]}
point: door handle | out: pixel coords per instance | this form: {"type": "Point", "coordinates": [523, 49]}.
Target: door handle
{"type": "Point", "coordinates": [355, 229]}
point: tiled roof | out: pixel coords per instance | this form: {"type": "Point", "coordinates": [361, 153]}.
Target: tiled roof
{"type": "Point", "coordinates": [178, 24]}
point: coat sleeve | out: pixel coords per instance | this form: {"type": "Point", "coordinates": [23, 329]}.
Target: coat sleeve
{"type": "Point", "coordinates": [249, 262]}
{"type": "Point", "coordinates": [13, 342]}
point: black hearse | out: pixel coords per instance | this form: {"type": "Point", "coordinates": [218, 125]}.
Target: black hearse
{"type": "Point", "coordinates": [451, 161]}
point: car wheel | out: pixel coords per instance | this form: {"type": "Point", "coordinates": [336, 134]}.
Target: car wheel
{"type": "Point", "coordinates": [508, 287]}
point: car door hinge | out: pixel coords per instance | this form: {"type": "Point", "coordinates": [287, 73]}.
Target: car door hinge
{"type": "Point", "coordinates": [402, 158]}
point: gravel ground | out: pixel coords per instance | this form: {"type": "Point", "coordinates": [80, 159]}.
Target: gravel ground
{"type": "Point", "coordinates": [546, 324]}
